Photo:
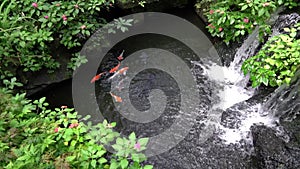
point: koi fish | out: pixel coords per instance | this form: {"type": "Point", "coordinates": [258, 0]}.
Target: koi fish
{"type": "Point", "coordinates": [117, 98]}
{"type": "Point", "coordinates": [97, 77]}
{"type": "Point", "coordinates": [121, 71]}
{"type": "Point", "coordinates": [121, 56]}
{"type": "Point", "coordinates": [113, 70]}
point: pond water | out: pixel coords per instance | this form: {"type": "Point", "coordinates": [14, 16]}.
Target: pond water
{"type": "Point", "coordinates": [220, 136]}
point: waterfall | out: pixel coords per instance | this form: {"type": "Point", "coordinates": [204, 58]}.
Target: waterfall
{"type": "Point", "coordinates": [284, 103]}
{"type": "Point", "coordinates": [284, 100]}
{"type": "Point", "coordinates": [233, 89]}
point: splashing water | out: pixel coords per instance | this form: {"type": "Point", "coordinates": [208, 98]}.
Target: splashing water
{"type": "Point", "coordinates": [233, 88]}
{"type": "Point", "coordinates": [232, 91]}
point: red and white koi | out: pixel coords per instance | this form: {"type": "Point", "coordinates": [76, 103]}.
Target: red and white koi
{"type": "Point", "coordinates": [97, 77]}
{"type": "Point", "coordinates": [120, 57]}
{"type": "Point", "coordinates": [119, 72]}
{"type": "Point", "coordinates": [113, 70]}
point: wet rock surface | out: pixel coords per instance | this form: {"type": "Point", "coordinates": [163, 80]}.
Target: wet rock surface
{"type": "Point", "coordinates": [272, 151]}
{"type": "Point", "coordinates": [280, 148]}
{"type": "Point", "coordinates": [284, 21]}
{"type": "Point", "coordinates": [193, 154]}
{"type": "Point", "coordinates": [37, 82]}
{"type": "Point", "coordinates": [271, 148]}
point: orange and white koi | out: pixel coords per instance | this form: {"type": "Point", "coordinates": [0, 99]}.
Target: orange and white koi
{"type": "Point", "coordinates": [119, 72]}
{"type": "Point", "coordinates": [117, 98]}
{"type": "Point", "coordinates": [123, 70]}
{"type": "Point", "coordinates": [113, 70]}
{"type": "Point", "coordinates": [97, 77]}
{"type": "Point", "coordinates": [120, 57]}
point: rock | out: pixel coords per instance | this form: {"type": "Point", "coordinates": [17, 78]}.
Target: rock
{"type": "Point", "coordinates": [37, 81]}
{"type": "Point", "coordinates": [280, 148]}
{"type": "Point", "coordinates": [273, 152]}
{"type": "Point", "coordinates": [293, 130]}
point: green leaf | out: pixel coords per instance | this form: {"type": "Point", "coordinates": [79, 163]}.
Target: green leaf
{"type": "Point", "coordinates": [102, 160]}
{"type": "Point", "coordinates": [220, 21]}
{"type": "Point", "coordinates": [288, 80]}
{"type": "Point", "coordinates": [124, 163]}
{"type": "Point", "coordinates": [132, 137]}
{"type": "Point", "coordinates": [42, 100]}
{"type": "Point", "coordinates": [261, 12]}
{"type": "Point", "coordinates": [119, 141]}
{"type": "Point", "coordinates": [101, 153]}
{"type": "Point", "coordinates": [232, 20]}
{"type": "Point", "coordinates": [113, 165]}
{"type": "Point", "coordinates": [242, 32]}
{"type": "Point", "coordinates": [117, 147]}
{"type": "Point", "coordinates": [93, 163]}
{"type": "Point", "coordinates": [75, 32]}
{"type": "Point", "coordinates": [270, 61]}
{"type": "Point", "coordinates": [70, 158]}
{"type": "Point", "coordinates": [293, 34]}
{"type": "Point", "coordinates": [286, 29]}
{"type": "Point", "coordinates": [135, 157]}
{"type": "Point", "coordinates": [22, 44]}
{"type": "Point", "coordinates": [113, 124]}
{"type": "Point", "coordinates": [237, 33]}
{"type": "Point", "coordinates": [265, 81]}
{"type": "Point", "coordinates": [148, 167]}
{"type": "Point", "coordinates": [244, 7]}
{"type": "Point", "coordinates": [143, 141]}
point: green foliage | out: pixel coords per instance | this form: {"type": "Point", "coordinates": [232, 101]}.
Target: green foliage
{"type": "Point", "coordinates": [77, 61]}
{"type": "Point", "coordinates": [278, 60]}
{"type": "Point", "coordinates": [12, 83]}
{"type": "Point", "coordinates": [30, 30]}
{"type": "Point", "coordinates": [33, 136]}
{"type": "Point", "coordinates": [232, 19]}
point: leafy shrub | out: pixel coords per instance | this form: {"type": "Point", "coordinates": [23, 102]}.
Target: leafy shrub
{"type": "Point", "coordinates": [76, 61]}
{"type": "Point", "coordinates": [231, 19]}
{"type": "Point", "coordinates": [33, 136]}
{"type": "Point", "coordinates": [278, 60]}
{"type": "Point", "coordinates": [30, 30]}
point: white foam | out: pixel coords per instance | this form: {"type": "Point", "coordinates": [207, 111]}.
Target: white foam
{"type": "Point", "coordinates": [249, 118]}
{"type": "Point", "coordinates": [233, 91]}
{"type": "Point", "coordinates": [222, 74]}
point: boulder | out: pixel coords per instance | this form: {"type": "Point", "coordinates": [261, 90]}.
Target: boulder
{"type": "Point", "coordinates": [271, 151]}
